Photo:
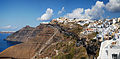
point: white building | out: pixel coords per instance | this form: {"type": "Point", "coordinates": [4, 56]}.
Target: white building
{"type": "Point", "coordinates": [83, 21]}
{"type": "Point", "coordinates": [119, 19]}
{"type": "Point", "coordinates": [110, 49]}
{"type": "Point", "coordinates": [115, 20]}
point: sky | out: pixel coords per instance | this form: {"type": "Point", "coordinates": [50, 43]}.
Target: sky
{"type": "Point", "coordinates": [15, 14]}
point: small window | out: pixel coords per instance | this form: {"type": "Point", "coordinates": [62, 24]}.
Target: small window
{"type": "Point", "coordinates": [99, 37]}
{"type": "Point", "coordinates": [107, 51]}
{"type": "Point", "coordinates": [114, 56]}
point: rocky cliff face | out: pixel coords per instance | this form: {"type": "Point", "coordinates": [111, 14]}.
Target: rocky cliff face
{"type": "Point", "coordinates": [35, 40]}
{"type": "Point", "coordinates": [21, 35]}
{"type": "Point", "coordinates": [30, 34]}
{"type": "Point", "coordinates": [49, 41]}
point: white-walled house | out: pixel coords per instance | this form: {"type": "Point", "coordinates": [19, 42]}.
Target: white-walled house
{"type": "Point", "coordinates": [115, 20]}
{"type": "Point", "coordinates": [92, 25]}
{"type": "Point", "coordinates": [119, 19]}
{"type": "Point", "coordinates": [83, 21]}
{"type": "Point", "coordinates": [110, 49]}
{"type": "Point", "coordinates": [100, 37]}
{"type": "Point", "coordinates": [62, 19]}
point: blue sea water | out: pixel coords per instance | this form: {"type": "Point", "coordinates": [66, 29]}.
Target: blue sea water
{"type": "Point", "coordinates": [4, 43]}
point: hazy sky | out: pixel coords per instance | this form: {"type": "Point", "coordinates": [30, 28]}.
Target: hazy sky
{"type": "Point", "coordinates": [15, 14]}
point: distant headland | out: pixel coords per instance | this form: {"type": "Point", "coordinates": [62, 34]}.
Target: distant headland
{"type": "Point", "coordinates": [7, 31]}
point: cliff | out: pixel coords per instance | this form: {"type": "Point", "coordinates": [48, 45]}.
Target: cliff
{"type": "Point", "coordinates": [35, 41]}
{"type": "Point", "coordinates": [55, 41]}
{"type": "Point", "coordinates": [30, 34]}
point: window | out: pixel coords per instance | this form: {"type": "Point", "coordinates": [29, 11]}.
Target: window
{"type": "Point", "coordinates": [107, 51]}
{"type": "Point", "coordinates": [99, 37]}
{"type": "Point", "coordinates": [114, 56]}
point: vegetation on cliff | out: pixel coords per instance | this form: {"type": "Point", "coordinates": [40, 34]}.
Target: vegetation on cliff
{"type": "Point", "coordinates": [56, 41]}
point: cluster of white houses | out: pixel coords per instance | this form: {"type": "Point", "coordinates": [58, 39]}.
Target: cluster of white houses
{"type": "Point", "coordinates": [108, 33]}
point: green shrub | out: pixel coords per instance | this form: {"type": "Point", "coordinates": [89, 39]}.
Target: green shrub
{"type": "Point", "coordinates": [68, 56]}
{"type": "Point", "coordinates": [83, 58]}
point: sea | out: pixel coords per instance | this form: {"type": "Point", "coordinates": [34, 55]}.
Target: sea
{"type": "Point", "coordinates": [4, 44]}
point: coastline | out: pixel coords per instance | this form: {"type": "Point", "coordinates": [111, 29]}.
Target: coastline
{"type": "Point", "coordinates": [4, 44]}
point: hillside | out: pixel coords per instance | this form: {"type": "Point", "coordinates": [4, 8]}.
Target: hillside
{"type": "Point", "coordinates": [50, 41]}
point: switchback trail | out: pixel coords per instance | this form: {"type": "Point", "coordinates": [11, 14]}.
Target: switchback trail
{"type": "Point", "coordinates": [45, 45]}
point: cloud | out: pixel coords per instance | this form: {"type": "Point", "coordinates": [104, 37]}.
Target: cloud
{"type": "Point", "coordinates": [8, 27]}
{"type": "Point", "coordinates": [95, 12]}
{"type": "Point", "coordinates": [62, 10]}
{"type": "Point", "coordinates": [113, 5]}
{"type": "Point", "coordinates": [77, 13]}
{"type": "Point", "coordinates": [47, 15]}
